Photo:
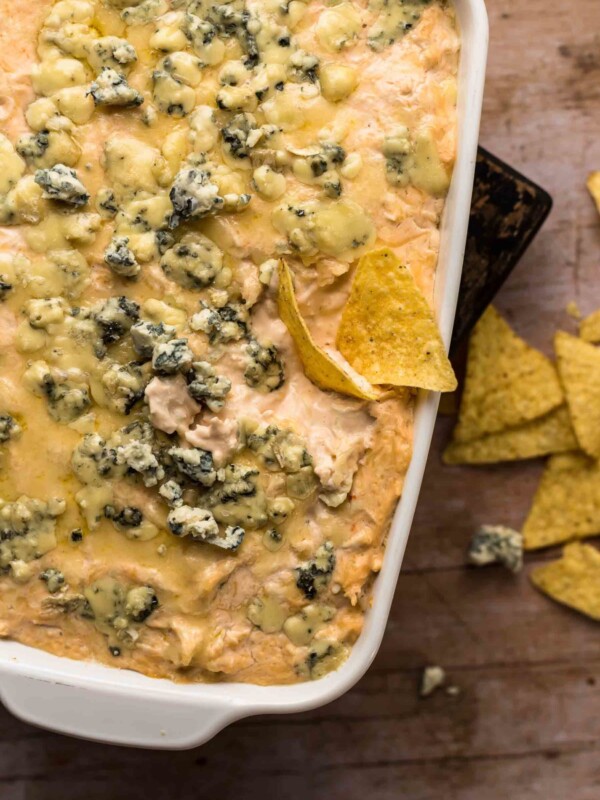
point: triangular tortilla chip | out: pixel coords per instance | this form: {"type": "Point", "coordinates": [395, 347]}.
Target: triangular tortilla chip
{"type": "Point", "coordinates": [388, 333]}
{"type": "Point", "coordinates": [508, 382]}
{"type": "Point", "coordinates": [319, 367]}
{"type": "Point", "coordinates": [540, 437]}
{"type": "Point", "coordinates": [589, 328]}
{"type": "Point", "coordinates": [593, 184]}
{"type": "Point", "coordinates": [574, 580]}
{"type": "Point", "coordinates": [578, 365]}
{"type": "Point", "coordinates": [567, 502]}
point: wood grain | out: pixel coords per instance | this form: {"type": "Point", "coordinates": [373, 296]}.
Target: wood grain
{"type": "Point", "coordinates": [526, 723]}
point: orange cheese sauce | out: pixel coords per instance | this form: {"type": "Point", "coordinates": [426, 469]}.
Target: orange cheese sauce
{"type": "Point", "coordinates": [237, 615]}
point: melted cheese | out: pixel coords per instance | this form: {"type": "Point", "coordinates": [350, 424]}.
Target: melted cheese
{"type": "Point", "coordinates": [211, 513]}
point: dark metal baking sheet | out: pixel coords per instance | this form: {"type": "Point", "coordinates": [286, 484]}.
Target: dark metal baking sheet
{"type": "Point", "coordinates": [507, 211]}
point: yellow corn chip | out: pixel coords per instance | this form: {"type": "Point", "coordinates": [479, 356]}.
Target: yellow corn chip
{"type": "Point", "coordinates": [507, 384]}
{"type": "Point", "coordinates": [318, 366]}
{"type": "Point", "coordinates": [589, 328]}
{"type": "Point", "coordinates": [578, 365]}
{"type": "Point", "coordinates": [593, 184]}
{"type": "Point", "coordinates": [552, 433]}
{"type": "Point", "coordinates": [574, 580]}
{"type": "Point", "coordinates": [566, 504]}
{"type": "Point", "coordinates": [387, 332]}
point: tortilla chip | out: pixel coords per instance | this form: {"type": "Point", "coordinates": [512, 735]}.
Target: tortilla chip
{"type": "Point", "coordinates": [593, 184]}
{"type": "Point", "coordinates": [574, 580]}
{"type": "Point", "coordinates": [388, 333]}
{"type": "Point", "coordinates": [507, 384]}
{"type": "Point", "coordinates": [578, 365]}
{"type": "Point", "coordinates": [319, 367]}
{"type": "Point", "coordinates": [589, 328]}
{"type": "Point", "coordinates": [540, 437]}
{"type": "Point", "coordinates": [567, 502]}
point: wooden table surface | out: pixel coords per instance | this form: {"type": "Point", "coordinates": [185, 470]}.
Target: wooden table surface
{"type": "Point", "coordinates": [527, 721]}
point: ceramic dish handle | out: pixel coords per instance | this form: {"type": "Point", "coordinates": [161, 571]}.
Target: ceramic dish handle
{"type": "Point", "coordinates": [113, 717]}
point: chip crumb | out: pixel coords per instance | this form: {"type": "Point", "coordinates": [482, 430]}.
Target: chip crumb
{"type": "Point", "coordinates": [433, 678]}
{"type": "Point", "coordinates": [497, 544]}
{"type": "Point", "coordinates": [573, 309]}
{"type": "Point", "coordinates": [453, 691]}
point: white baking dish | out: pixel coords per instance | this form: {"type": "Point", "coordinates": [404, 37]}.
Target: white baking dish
{"type": "Point", "coordinates": [111, 705]}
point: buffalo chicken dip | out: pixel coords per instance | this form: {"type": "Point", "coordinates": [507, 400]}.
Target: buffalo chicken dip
{"type": "Point", "coordinates": [196, 477]}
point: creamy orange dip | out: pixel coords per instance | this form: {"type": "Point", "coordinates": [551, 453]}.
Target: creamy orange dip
{"type": "Point", "coordinates": [176, 497]}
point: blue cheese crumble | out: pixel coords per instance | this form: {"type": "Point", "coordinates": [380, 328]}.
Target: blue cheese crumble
{"type": "Point", "coordinates": [496, 544]}
{"type": "Point", "coordinates": [120, 258]}
{"type": "Point", "coordinates": [195, 464]}
{"type": "Point", "coordinates": [9, 428]}
{"type": "Point", "coordinates": [206, 387]}
{"type": "Point", "coordinates": [27, 532]}
{"type": "Point", "coordinates": [171, 357]}
{"type": "Point", "coordinates": [226, 324]}
{"type": "Point", "coordinates": [200, 525]}
{"type": "Point", "coordinates": [111, 52]}
{"type": "Point", "coordinates": [61, 183]}
{"type": "Point", "coordinates": [111, 89]}
{"type": "Point", "coordinates": [193, 195]}
{"type": "Point", "coordinates": [195, 262]}
{"type": "Point", "coordinates": [146, 336]}
{"type": "Point", "coordinates": [115, 317]}
{"type": "Point", "coordinates": [315, 574]}
{"type": "Point", "coordinates": [265, 371]}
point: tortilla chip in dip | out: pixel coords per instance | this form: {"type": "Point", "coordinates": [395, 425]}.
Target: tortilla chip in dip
{"type": "Point", "coordinates": [319, 367]}
{"type": "Point", "coordinates": [552, 433]}
{"type": "Point", "coordinates": [508, 383]}
{"type": "Point", "coordinates": [589, 328]}
{"type": "Point", "coordinates": [574, 580]}
{"type": "Point", "coordinates": [387, 331]}
{"type": "Point", "coordinates": [593, 184]}
{"type": "Point", "coordinates": [566, 504]}
{"type": "Point", "coordinates": [578, 365]}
